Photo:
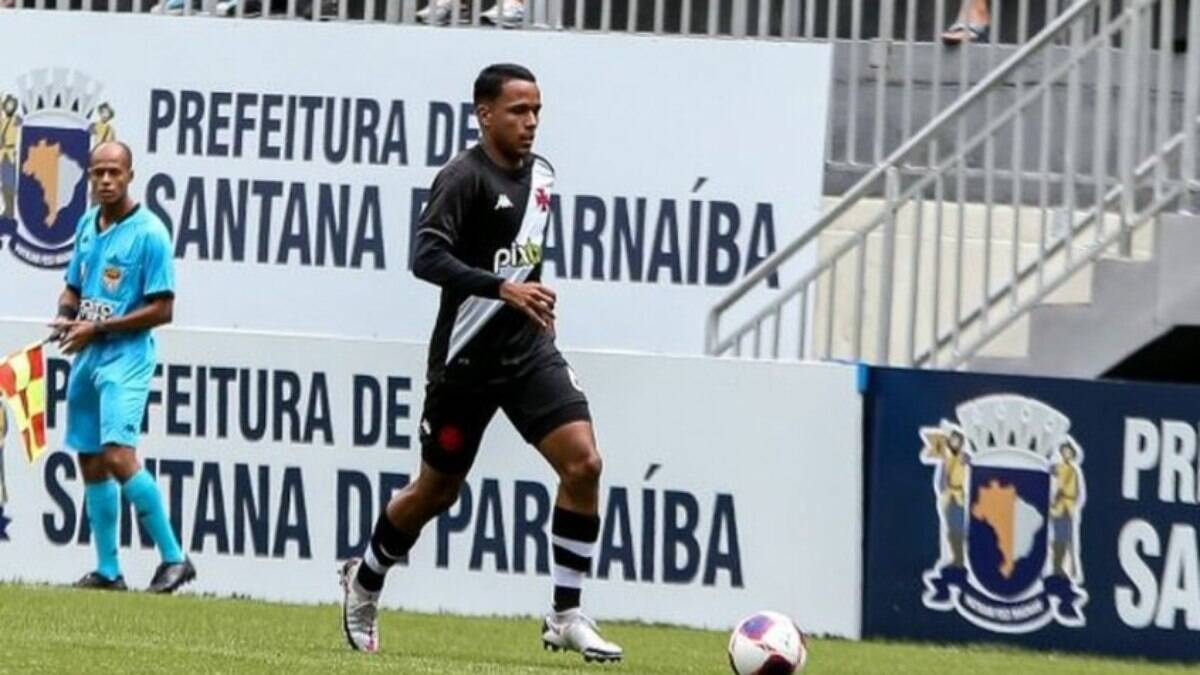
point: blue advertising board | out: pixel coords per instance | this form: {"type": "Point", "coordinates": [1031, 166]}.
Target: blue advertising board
{"type": "Point", "coordinates": [1051, 513]}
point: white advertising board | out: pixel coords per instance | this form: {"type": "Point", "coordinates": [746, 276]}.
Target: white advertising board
{"type": "Point", "coordinates": [728, 486]}
{"type": "Point", "coordinates": [290, 161]}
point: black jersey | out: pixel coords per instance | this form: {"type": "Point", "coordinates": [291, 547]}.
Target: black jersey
{"type": "Point", "coordinates": [483, 225]}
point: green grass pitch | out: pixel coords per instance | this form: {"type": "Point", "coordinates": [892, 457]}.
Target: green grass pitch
{"type": "Point", "coordinates": [58, 630]}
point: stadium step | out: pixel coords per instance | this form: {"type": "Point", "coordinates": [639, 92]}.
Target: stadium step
{"type": "Point", "coordinates": [1133, 302]}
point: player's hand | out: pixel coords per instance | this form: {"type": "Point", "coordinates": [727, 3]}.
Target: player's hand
{"type": "Point", "coordinates": [534, 299]}
{"type": "Point", "coordinates": [79, 334]}
{"type": "Point", "coordinates": [59, 327]}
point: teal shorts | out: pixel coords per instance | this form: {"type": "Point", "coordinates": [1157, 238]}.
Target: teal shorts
{"type": "Point", "coordinates": [106, 396]}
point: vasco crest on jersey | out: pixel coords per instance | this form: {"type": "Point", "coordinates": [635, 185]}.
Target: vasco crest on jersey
{"type": "Point", "coordinates": [48, 125]}
{"type": "Point", "coordinates": [1009, 492]}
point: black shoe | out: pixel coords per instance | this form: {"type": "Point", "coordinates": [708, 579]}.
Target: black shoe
{"type": "Point", "coordinates": [170, 576]}
{"type": "Point", "coordinates": [99, 582]}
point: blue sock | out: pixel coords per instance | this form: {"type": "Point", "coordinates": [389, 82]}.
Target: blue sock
{"type": "Point", "coordinates": [142, 492]}
{"type": "Point", "coordinates": [103, 500]}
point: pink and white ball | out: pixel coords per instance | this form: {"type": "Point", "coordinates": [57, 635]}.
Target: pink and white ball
{"type": "Point", "coordinates": [767, 643]}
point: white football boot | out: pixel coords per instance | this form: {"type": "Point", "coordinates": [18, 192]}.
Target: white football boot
{"type": "Point", "coordinates": [572, 631]}
{"type": "Point", "coordinates": [360, 611]}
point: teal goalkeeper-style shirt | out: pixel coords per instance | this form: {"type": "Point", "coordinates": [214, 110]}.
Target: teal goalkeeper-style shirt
{"type": "Point", "coordinates": [121, 270]}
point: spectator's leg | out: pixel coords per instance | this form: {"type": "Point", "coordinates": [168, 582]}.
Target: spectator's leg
{"type": "Point", "coordinates": [978, 13]}
{"type": "Point", "coordinates": [1181, 26]}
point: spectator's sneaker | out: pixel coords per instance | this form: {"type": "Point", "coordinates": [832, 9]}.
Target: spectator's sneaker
{"type": "Point", "coordinates": [360, 611]}
{"type": "Point", "coordinates": [168, 7]}
{"type": "Point", "coordinates": [99, 582]}
{"type": "Point", "coordinates": [572, 631]}
{"type": "Point", "coordinates": [962, 32]}
{"type": "Point", "coordinates": [170, 576]}
{"type": "Point", "coordinates": [230, 7]}
{"type": "Point", "coordinates": [506, 13]}
{"type": "Point", "coordinates": [437, 12]}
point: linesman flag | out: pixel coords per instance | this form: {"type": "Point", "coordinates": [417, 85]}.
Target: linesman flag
{"type": "Point", "coordinates": [23, 388]}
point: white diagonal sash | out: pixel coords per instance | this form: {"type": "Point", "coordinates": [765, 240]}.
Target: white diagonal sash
{"type": "Point", "coordinates": [474, 312]}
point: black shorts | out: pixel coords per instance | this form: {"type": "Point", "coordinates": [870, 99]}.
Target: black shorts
{"type": "Point", "coordinates": [458, 410]}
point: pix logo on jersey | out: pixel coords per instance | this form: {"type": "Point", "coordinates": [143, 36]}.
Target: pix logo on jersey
{"type": "Point", "coordinates": [528, 254]}
{"type": "Point", "coordinates": [1009, 490]}
{"type": "Point", "coordinates": [95, 310]}
{"type": "Point", "coordinates": [47, 130]}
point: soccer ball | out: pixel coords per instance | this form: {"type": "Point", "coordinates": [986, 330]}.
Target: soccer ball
{"type": "Point", "coordinates": [767, 643]}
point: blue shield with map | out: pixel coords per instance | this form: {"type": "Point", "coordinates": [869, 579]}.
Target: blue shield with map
{"type": "Point", "coordinates": [994, 565]}
{"type": "Point", "coordinates": [52, 178]}
{"type": "Point", "coordinates": [1007, 522]}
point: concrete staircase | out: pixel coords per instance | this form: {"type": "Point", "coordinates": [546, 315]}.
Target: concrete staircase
{"type": "Point", "coordinates": [1132, 303]}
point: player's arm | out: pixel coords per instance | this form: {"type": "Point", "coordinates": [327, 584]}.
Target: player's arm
{"type": "Point", "coordinates": [68, 304]}
{"type": "Point", "coordinates": [154, 313]}
{"type": "Point", "coordinates": [436, 263]}
{"type": "Point", "coordinates": [68, 309]}
{"type": "Point", "coordinates": [68, 300]}
{"type": "Point", "coordinates": [434, 259]}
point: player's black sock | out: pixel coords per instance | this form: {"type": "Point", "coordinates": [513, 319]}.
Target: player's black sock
{"type": "Point", "coordinates": [388, 546]}
{"type": "Point", "coordinates": [574, 539]}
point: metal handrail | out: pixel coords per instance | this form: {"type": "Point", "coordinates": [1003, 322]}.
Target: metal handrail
{"type": "Point", "coordinates": [1172, 146]}
{"type": "Point", "coordinates": [1138, 158]}
{"type": "Point", "coordinates": [864, 186]}
{"type": "Point", "coordinates": [1112, 196]}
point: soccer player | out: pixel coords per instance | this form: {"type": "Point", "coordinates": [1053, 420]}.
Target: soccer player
{"type": "Point", "coordinates": [480, 239]}
{"type": "Point", "coordinates": [120, 285]}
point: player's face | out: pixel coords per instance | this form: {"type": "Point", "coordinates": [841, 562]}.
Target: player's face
{"type": "Point", "coordinates": [110, 174]}
{"type": "Point", "coordinates": [511, 120]}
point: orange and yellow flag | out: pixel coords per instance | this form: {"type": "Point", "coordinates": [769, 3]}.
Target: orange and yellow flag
{"type": "Point", "coordinates": [23, 387]}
